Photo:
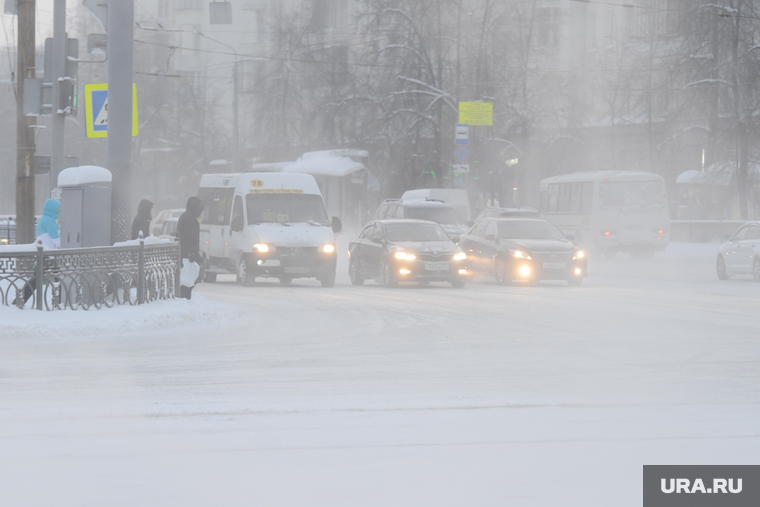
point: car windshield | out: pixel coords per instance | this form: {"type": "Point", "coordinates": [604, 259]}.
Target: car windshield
{"type": "Point", "coordinates": [437, 214]}
{"type": "Point", "coordinates": [415, 232]}
{"type": "Point", "coordinates": [629, 194]}
{"type": "Point", "coordinates": [282, 208]}
{"type": "Point", "coordinates": [529, 230]}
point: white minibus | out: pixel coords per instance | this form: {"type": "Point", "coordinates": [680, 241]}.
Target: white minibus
{"type": "Point", "coordinates": [266, 225]}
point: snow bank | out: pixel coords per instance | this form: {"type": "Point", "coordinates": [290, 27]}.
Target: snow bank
{"type": "Point", "coordinates": [174, 316]}
{"type": "Point", "coordinates": [150, 240]}
{"type": "Point", "coordinates": [29, 247]}
{"type": "Point", "coordinates": [81, 175]}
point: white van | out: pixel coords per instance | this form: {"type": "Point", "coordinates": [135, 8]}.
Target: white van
{"type": "Point", "coordinates": [266, 225]}
{"type": "Point", "coordinates": [457, 197]}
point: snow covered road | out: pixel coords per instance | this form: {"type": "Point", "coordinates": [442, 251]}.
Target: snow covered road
{"type": "Point", "coordinates": [298, 395]}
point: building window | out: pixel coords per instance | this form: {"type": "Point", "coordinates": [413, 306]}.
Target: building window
{"type": "Point", "coordinates": [190, 4]}
{"type": "Point", "coordinates": [338, 14]}
{"type": "Point", "coordinates": [163, 9]}
{"type": "Point", "coordinates": [547, 27]}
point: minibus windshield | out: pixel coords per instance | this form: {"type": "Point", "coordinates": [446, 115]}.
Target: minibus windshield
{"type": "Point", "coordinates": [283, 208]}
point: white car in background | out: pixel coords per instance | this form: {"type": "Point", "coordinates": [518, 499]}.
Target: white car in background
{"type": "Point", "coordinates": [740, 255]}
{"type": "Point", "coordinates": [157, 226]}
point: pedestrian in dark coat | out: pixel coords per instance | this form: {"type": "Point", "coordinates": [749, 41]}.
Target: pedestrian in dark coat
{"type": "Point", "coordinates": [189, 231]}
{"type": "Point", "coordinates": [142, 220]}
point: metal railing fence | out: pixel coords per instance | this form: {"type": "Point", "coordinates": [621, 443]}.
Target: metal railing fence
{"type": "Point", "coordinates": [84, 278]}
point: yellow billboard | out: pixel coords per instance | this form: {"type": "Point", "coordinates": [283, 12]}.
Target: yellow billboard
{"type": "Point", "coordinates": [476, 113]}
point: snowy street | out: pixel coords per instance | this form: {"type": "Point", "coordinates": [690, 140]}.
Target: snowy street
{"type": "Point", "coordinates": [298, 395]}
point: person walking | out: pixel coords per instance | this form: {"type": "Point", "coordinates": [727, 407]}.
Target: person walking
{"type": "Point", "coordinates": [189, 231]}
{"type": "Point", "coordinates": [141, 223]}
{"type": "Point", "coordinates": [48, 233]}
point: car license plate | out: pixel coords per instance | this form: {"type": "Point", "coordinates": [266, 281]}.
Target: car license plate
{"type": "Point", "coordinates": [298, 270]}
{"type": "Point", "coordinates": [554, 265]}
{"type": "Point", "coordinates": [436, 266]}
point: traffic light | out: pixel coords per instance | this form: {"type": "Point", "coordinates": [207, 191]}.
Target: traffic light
{"type": "Point", "coordinates": [68, 88]}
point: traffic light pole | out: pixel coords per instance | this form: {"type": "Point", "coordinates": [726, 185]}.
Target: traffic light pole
{"type": "Point", "coordinates": [59, 70]}
{"type": "Point", "coordinates": [25, 232]}
{"type": "Point", "coordinates": [121, 16]}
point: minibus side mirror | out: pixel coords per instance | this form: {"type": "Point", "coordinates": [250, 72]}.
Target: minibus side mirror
{"type": "Point", "coordinates": [571, 237]}
{"type": "Point", "coordinates": [237, 224]}
{"type": "Point", "coordinates": [337, 226]}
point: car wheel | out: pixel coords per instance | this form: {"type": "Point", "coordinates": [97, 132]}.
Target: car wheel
{"type": "Point", "coordinates": [388, 279]}
{"type": "Point", "coordinates": [458, 283]}
{"type": "Point", "coordinates": [575, 280]}
{"type": "Point", "coordinates": [756, 269]}
{"type": "Point", "coordinates": [721, 268]}
{"type": "Point", "coordinates": [245, 273]}
{"type": "Point", "coordinates": [353, 273]}
{"type": "Point", "coordinates": [209, 277]}
{"type": "Point", "coordinates": [285, 280]}
{"type": "Point", "coordinates": [500, 272]}
{"type": "Point", "coordinates": [328, 280]}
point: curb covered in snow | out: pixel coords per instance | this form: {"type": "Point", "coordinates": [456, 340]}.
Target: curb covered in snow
{"type": "Point", "coordinates": [171, 315]}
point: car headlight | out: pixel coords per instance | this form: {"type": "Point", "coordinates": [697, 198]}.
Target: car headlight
{"type": "Point", "coordinates": [328, 248]}
{"type": "Point", "coordinates": [460, 256]}
{"type": "Point", "coordinates": [405, 256]}
{"type": "Point", "coordinates": [579, 255]}
{"type": "Point", "coordinates": [263, 248]}
{"type": "Point", "coordinates": [520, 254]}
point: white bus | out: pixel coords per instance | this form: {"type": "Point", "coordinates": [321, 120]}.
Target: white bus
{"type": "Point", "coordinates": [609, 211]}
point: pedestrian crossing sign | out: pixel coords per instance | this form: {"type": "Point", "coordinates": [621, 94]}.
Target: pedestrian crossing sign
{"type": "Point", "coordinates": [96, 109]}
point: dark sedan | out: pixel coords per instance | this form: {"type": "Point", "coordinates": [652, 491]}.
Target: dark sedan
{"type": "Point", "coordinates": [522, 249]}
{"type": "Point", "coordinates": [394, 251]}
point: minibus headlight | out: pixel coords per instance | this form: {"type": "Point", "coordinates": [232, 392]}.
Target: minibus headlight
{"type": "Point", "coordinates": [579, 255]}
{"type": "Point", "coordinates": [460, 256]}
{"type": "Point", "coordinates": [328, 248]}
{"type": "Point", "coordinates": [263, 248]}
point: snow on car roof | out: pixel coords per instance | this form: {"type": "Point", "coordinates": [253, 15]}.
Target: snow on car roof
{"type": "Point", "coordinates": [603, 175]}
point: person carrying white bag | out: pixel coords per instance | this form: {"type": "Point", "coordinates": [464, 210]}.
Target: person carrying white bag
{"type": "Point", "coordinates": [189, 231]}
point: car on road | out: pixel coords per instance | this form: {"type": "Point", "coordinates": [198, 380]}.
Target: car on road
{"type": "Point", "coordinates": [522, 249]}
{"type": "Point", "coordinates": [157, 227]}
{"type": "Point", "coordinates": [169, 229]}
{"type": "Point", "coordinates": [741, 253]}
{"type": "Point", "coordinates": [433, 210]}
{"type": "Point", "coordinates": [393, 251]}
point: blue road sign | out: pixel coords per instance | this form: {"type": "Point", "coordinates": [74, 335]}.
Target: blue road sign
{"type": "Point", "coordinates": [100, 110]}
{"type": "Point", "coordinates": [461, 153]}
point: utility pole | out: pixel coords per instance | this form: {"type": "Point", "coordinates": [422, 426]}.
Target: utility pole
{"type": "Point", "coordinates": [121, 16]}
{"type": "Point", "coordinates": [58, 115]}
{"type": "Point", "coordinates": [25, 67]}
{"type": "Point", "coordinates": [238, 166]}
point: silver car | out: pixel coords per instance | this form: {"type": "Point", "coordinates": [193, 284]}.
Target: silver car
{"type": "Point", "coordinates": [741, 254]}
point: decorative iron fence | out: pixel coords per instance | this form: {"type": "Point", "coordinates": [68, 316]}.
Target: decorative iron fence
{"type": "Point", "coordinates": [84, 278]}
{"type": "Point", "coordinates": [703, 231]}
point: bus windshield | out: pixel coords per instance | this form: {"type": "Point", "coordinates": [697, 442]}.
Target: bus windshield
{"type": "Point", "coordinates": [282, 208]}
{"type": "Point", "coordinates": [630, 194]}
